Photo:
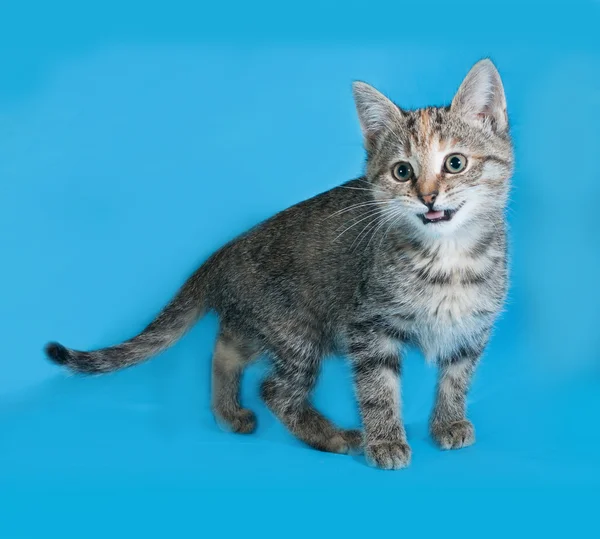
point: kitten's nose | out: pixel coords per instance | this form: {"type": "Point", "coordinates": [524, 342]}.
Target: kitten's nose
{"type": "Point", "coordinates": [429, 199]}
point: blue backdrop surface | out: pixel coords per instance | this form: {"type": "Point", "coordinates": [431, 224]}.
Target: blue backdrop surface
{"type": "Point", "coordinates": [137, 139]}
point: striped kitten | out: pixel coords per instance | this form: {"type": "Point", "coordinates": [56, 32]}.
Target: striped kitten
{"type": "Point", "coordinates": [414, 252]}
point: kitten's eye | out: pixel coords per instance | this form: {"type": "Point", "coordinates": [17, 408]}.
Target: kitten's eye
{"type": "Point", "coordinates": [403, 171]}
{"type": "Point", "coordinates": [455, 163]}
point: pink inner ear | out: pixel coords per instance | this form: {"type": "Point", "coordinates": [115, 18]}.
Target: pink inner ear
{"type": "Point", "coordinates": [482, 115]}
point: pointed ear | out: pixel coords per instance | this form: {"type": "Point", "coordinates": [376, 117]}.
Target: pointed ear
{"type": "Point", "coordinates": [375, 111]}
{"type": "Point", "coordinates": [480, 98]}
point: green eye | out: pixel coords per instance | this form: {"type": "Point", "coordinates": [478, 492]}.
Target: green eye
{"type": "Point", "coordinates": [455, 163]}
{"type": "Point", "coordinates": [403, 171]}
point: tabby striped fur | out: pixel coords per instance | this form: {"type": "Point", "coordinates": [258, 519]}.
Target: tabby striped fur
{"type": "Point", "coordinates": [357, 270]}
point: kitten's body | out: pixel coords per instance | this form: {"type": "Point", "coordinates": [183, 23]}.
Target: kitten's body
{"type": "Point", "coordinates": [352, 271]}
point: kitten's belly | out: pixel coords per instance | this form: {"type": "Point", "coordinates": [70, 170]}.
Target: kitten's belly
{"type": "Point", "coordinates": [446, 318]}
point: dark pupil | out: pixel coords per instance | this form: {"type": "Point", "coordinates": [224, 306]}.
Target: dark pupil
{"type": "Point", "coordinates": [403, 171]}
{"type": "Point", "coordinates": [455, 163]}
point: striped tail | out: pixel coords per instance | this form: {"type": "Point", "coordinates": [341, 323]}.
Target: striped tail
{"type": "Point", "coordinates": [168, 327]}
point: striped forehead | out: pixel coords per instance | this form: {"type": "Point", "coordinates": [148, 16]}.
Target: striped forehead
{"type": "Point", "coordinates": [429, 140]}
{"type": "Point", "coordinates": [426, 125]}
{"type": "Point", "coordinates": [424, 134]}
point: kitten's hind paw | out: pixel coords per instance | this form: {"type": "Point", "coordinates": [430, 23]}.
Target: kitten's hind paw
{"type": "Point", "coordinates": [242, 421]}
{"type": "Point", "coordinates": [344, 442]}
{"type": "Point", "coordinates": [388, 455]}
{"type": "Point", "coordinates": [354, 439]}
{"type": "Point", "coordinates": [454, 435]}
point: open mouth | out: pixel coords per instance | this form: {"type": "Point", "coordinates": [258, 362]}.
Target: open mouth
{"type": "Point", "coordinates": [437, 216]}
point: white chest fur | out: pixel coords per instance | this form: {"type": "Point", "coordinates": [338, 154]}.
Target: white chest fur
{"type": "Point", "coordinates": [453, 296]}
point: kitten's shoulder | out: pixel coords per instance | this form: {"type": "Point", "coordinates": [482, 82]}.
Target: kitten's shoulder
{"type": "Point", "coordinates": [314, 215]}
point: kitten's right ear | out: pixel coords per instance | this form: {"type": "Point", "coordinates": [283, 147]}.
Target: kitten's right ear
{"type": "Point", "coordinates": [375, 111]}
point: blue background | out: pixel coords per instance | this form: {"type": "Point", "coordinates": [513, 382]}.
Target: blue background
{"type": "Point", "coordinates": [135, 139]}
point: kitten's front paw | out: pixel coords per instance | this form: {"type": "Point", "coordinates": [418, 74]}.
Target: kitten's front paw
{"type": "Point", "coordinates": [454, 435]}
{"type": "Point", "coordinates": [388, 455]}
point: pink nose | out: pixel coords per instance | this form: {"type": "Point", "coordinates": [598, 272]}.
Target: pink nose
{"type": "Point", "coordinates": [429, 199]}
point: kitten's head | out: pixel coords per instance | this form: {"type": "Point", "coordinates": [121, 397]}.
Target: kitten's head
{"type": "Point", "coordinates": [441, 169]}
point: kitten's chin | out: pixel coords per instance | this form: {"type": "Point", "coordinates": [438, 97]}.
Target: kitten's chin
{"type": "Point", "coordinates": [439, 228]}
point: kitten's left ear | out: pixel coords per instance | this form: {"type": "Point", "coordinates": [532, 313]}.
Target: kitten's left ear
{"type": "Point", "coordinates": [480, 98]}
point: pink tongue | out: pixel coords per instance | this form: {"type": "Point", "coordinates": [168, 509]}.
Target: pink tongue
{"type": "Point", "coordinates": [434, 215]}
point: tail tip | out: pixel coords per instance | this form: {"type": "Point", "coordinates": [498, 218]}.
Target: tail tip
{"type": "Point", "coordinates": [57, 353]}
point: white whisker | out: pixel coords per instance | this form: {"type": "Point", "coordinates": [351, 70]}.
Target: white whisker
{"type": "Point", "coordinates": [360, 205]}
{"type": "Point", "coordinates": [391, 224]}
{"type": "Point", "coordinates": [365, 231]}
{"type": "Point", "coordinates": [356, 188]}
{"type": "Point", "coordinates": [367, 213]}
{"type": "Point", "coordinates": [372, 213]}
{"type": "Point", "coordinates": [373, 188]}
{"type": "Point", "coordinates": [389, 218]}
{"type": "Point", "coordinates": [384, 216]}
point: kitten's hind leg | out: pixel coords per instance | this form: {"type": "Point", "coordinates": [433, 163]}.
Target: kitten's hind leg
{"type": "Point", "coordinates": [230, 357]}
{"type": "Point", "coordinates": [286, 392]}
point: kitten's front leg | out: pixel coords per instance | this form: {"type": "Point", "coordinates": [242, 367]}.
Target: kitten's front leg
{"type": "Point", "coordinates": [449, 426]}
{"type": "Point", "coordinates": [376, 366]}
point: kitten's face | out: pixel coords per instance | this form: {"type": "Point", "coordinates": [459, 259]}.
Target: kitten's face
{"type": "Point", "coordinates": [441, 170]}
